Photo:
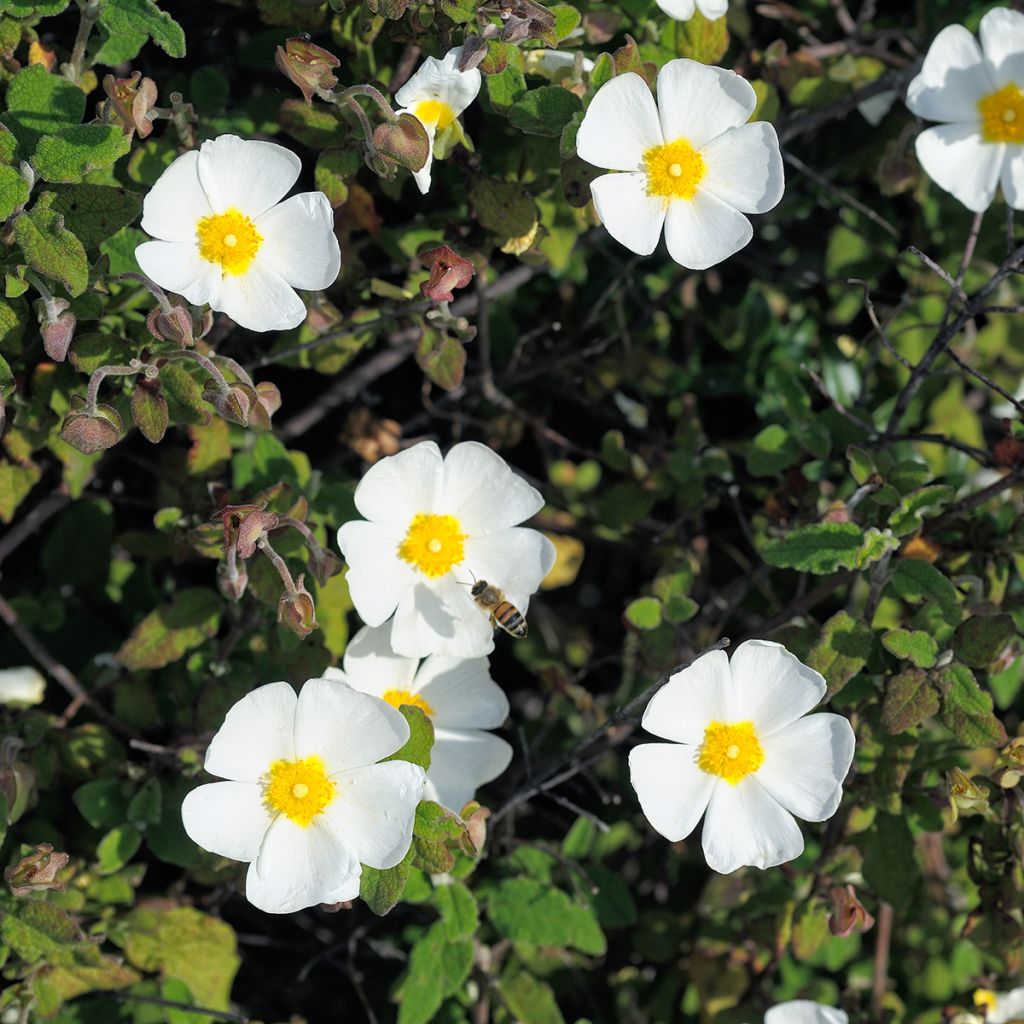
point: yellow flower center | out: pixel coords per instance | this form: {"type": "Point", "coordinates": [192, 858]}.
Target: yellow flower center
{"type": "Point", "coordinates": [434, 112]}
{"type": "Point", "coordinates": [1002, 115]}
{"type": "Point", "coordinates": [228, 239]}
{"type": "Point", "coordinates": [730, 751]}
{"type": "Point", "coordinates": [985, 997]}
{"type": "Point", "coordinates": [396, 698]}
{"type": "Point", "coordinates": [433, 544]}
{"type": "Point", "coordinates": [299, 789]}
{"type": "Point", "coordinates": [674, 170]}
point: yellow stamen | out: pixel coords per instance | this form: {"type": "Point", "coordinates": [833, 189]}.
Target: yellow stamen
{"type": "Point", "coordinates": [396, 698]}
{"type": "Point", "coordinates": [985, 997]}
{"type": "Point", "coordinates": [730, 751]}
{"type": "Point", "coordinates": [1002, 115]}
{"type": "Point", "coordinates": [300, 790]}
{"type": "Point", "coordinates": [674, 170]}
{"type": "Point", "coordinates": [228, 239]}
{"type": "Point", "coordinates": [434, 112]}
{"type": "Point", "coordinates": [433, 544]}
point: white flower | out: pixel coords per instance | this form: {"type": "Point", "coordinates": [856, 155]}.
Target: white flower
{"type": "Point", "coordinates": [459, 696]}
{"type": "Point", "coordinates": [683, 10]}
{"type": "Point", "coordinates": [224, 236]}
{"type": "Point", "coordinates": [436, 95]}
{"type": "Point", "coordinates": [307, 803]}
{"type": "Point", "coordinates": [978, 94]}
{"type": "Point", "coordinates": [434, 527]}
{"type": "Point", "coordinates": [742, 751]}
{"type": "Point", "coordinates": [21, 685]}
{"type": "Point", "coordinates": [804, 1011]}
{"type": "Point", "coordinates": [1001, 1007]}
{"type": "Point", "coordinates": [693, 165]}
{"type": "Point", "coordinates": [551, 62]}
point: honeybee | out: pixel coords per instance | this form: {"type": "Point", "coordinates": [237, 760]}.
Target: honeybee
{"type": "Point", "coordinates": [503, 613]}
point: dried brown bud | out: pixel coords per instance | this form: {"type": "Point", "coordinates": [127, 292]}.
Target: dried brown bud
{"type": "Point", "coordinates": [1009, 451]}
{"type": "Point", "coordinates": [448, 270]}
{"type": "Point", "coordinates": [91, 432]}
{"type": "Point", "coordinates": [176, 326]}
{"type": "Point", "coordinates": [296, 611]}
{"type": "Point", "coordinates": [37, 871]}
{"type": "Point", "coordinates": [474, 49]}
{"type": "Point", "coordinates": [252, 529]}
{"type": "Point", "coordinates": [848, 913]}
{"type": "Point", "coordinates": [309, 66]}
{"type": "Point", "coordinates": [129, 101]}
{"type": "Point", "coordinates": [406, 141]}
{"type": "Point", "coordinates": [57, 326]}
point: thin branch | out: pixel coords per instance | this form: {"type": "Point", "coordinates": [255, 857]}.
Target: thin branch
{"type": "Point", "coordinates": [25, 527]}
{"type": "Point", "coordinates": [974, 500]}
{"type": "Point", "coordinates": [170, 1004]}
{"type": "Point", "coordinates": [883, 940]}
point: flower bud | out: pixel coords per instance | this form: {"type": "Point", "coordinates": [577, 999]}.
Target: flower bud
{"type": "Point", "coordinates": [232, 579]}
{"type": "Point", "coordinates": [91, 432]}
{"type": "Point", "coordinates": [323, 564]}
{"type": "Point", "coordinates": [256, 525]}
{"type": "Point", "coordinates": [129, 101]}
{"type": "Point", "coordinates": [233, 404]}
{"type": "Point", "coordinates": [57, 326]}
{"type": "Point", "coordinates": [296, 611]}
{"type": "Point", "coordinates": [448, 270]}
{"type": "Point", "coordinates": [268, 401]}
{"type": "Point", "coordinates": [176, 326]}
{"type": "Point", "coordinates": [848, 913]}
{"type": "Point", "coordinates": [37, 871]}
{"type": "Point", "coordinates": [308, 66]}
{"type": "Point", "coordinates": [405, 141]}
{"type": "Point", "coordinates": [965, 797]}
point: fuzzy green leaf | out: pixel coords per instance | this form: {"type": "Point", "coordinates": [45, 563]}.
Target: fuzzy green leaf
{"type": "Point", "coordinates": [172, 630]}
{"type": "Point", "coordinates": [912, 645]}
{"type": "Point", "coordinates": [979, 640]}
{"type": "Point", "coordinates": [14, 191]}
{"type": "Point", "coordinates": [644, 613]}
{"type": "Point", "coordinates": [910, 699]}
{"type": "Point", "coordinates": [842, 651]}
{"type": "Point", "coordinates": [40, 103]}
{"type": "Point", "coordinates": [49, 248]}
{"type": "Point", "coordinates": [525, 910]}
{"type": "Point", "coordinates": [70, 153]}
{"type": "Point", "coordinates": [967, 708]}
{"type": "Point", "coordinates": [544, 111]}
{"type": "Point", "coordinates": [915, 581]}
{"type": "Point", "coordinates": [129, 23]}
{"type": "Point", "coordinates": [380, 889]}
{"type": "Point", "coordinates": [95, 212]}
{"type": "Point", "coordinates": [820, 548]}
{"type": "Point", "coordinates": [421, 737]}
{"type": "Point", "coordinates": [702, 39]}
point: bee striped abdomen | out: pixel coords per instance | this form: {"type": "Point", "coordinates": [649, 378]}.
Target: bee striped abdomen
{"type": "Point", "coordinates": [509, 618]}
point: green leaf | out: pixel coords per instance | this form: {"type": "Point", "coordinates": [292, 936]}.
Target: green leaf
{"type": "Point", "coordinates": [116, 848]}
{"type": "Point", "coordinates": [912, 645]}
{"type": "Point", "coordinates": [69, 154]}
{"type": "Point", "coordinates": [458, 909]}
{"type": "Point", "coordinates": [129, 23]}
{"type": "Point", "coordinates": [103, 802]}
{"type": "Point", "coordinates": [438, 967]}
{"type": "Point", "coordinates": [184, 395]}
{"type": "Point", "coordinates": [967, 709]}
{"type": "Point", "coordinates": [39, 103]}
{"type": "Point", "coordinates": [421, 737]}
{"type": "Point", "coordinates": [14, 191]}
{"type": "Point", "coordinates": [95, 212]}
{"type": "Point", "coordinates": [147, 805]}
{"type": "Point", "coordinates": [529, 999]}
{"type": "Point", "coordinates": [702, 39]}
{"type": "Point", "coordinates": [28, 8]}
{"type": "Point", "coordinates": [842, 651]}
{"type": "Point", "coordinates": [772, 450]}
{"type": "Point", "coordinates": [172, 630]}
{"type": "Point", "coordinates": [442, 358]}
{"type": "Point", "coordinates": [567, 19]}
{"type": "Point", "coordinates": [979, 640]}
{"type": "Point", "coordinates": [890, 867]}
{"type": "Point", "coordinates": [526, 910]}
{"type": "Point", "coordinates": [820, 548]}
{"type": "Point", "coordinates": [910, 699]}
{"type": "Point", "coordinates": [437, 834]}
{"type": "Point", "coordinates": [93, 350]}
{"type": "Point", "coordinates": [915, 507]}
{"type": "Point", "coordinates": [506, 88]}
{"type": "Point", "coordinates": [914, 581]}
{"type": "Point", "coordinates": [149, 413]}
{"type": "Point", "coordinates": [460, 11]}
{"type": "Point", "coordinates": [16, 481]}
{"type": "Point", "coordinates": [49, 248]}
{"type": "Point", "coordinates": [380, 889]}
{"type": "Point", "coordinates": [37, 931]}
{"type": "Point", "coordinates": [502, 207]}
{"type": "Point", "coordinates": [644, 613]}
{"type": "Point", "coordinates": [544, 111]}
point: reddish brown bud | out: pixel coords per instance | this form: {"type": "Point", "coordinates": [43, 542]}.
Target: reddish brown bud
{"type": "Point", "coordinates": [406, 141]}
{"type": "Point", "coordinates": [57, 326]}
{"type": "Point", "coordinates": [268, 401]}
{"type": "Point", "coordinates": [235, 404]}
{"type": "Point", "coordinates": [232, 579]}
{"type": "Point", "coordinates": [175, 326]}
{"type": "Point", "coordinates": [848, 913]}
{"type": "Point", "coordinates": [448, 270]}
{"type": "Point", "coordinates": [1009, 451]}
{"type": "Point", "coordinates": [296, 611]}
{"type": "Point", "coordinates": [253, 527]}
{"type": "Point", "coordinates": [323, 564]}
{"type": "Point", "coordinates": [91, 432]}
{"type": "Point", "coordinates": [129, 101]}
{"type": "Point", "coordinates": [308, 66]}
{"type": "Point", "coordinates": [37, 871]}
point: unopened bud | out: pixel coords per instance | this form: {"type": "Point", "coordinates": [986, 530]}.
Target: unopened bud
{"type": "Point", "coordinates": [37, 871]}
{"type": "Point", "coordinates": [233, 403]}
{"type": "Point", "coordinates": [296, 611]}
{"type": "Point", "coordinates": [175, 326]}
{"type": "Point", "coordinates": [475, 816]}
{"type": "Point", "coordinates": [252, 529]}
{"type": "Point", "coordinates": [308, 66]}
{"type": "Point", "coordinates": [323, 564]}
{"type": "Point", "coordinates": [965, 796]}
{"type": "Point", "coordinates": [448, 270]}
{"type": "Point", "coordinates": [232, 580]}
{"type": "Point", "coordinates": [405, 141]}
{"type": "Point", "coordinates": [268, 401]}
{"type": "Point", "coordinates": [91, 432]}
{"type": "Point", "coordinates": [57, 326]}
{"type": "Point", "coordinates": [848, 913]}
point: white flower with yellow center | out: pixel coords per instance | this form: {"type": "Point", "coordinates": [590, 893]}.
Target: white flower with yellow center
{"type": "Point", "coordinates": [742, 751]}
{"type": "Point", "coordinates": [224, 237]}
{"type": "Point", "coordinates": [1000, 1007]}
{"type": "Point", "coordinates": [434, 526]}
{"type": "Point", "coordinates": [804, 1011]}
{"type": "Point", "coordinates": [306, 802]}
{"type": "Point", "coordinates": [691, 163]}
{"type": "Point", "coordinates": [978, 95]}
{"type": "Point", "coordinates": [458, 695]}
{"type": "Point", "coordinates": [683, 10]}
{"type": "Point", "coordinates": [437, 94]}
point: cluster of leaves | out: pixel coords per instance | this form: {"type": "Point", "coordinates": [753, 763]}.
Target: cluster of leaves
{"type": "Point", "coordinates": [817, 442]}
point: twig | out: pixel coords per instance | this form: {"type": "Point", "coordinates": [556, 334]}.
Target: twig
{"type": "Point", "coordinates": [170, 1004]}
{"type": "Point", "coordinates": [974, 500]}
{"type": "Point", "coordinates": [883, 940]}
{"type": "Point", "coordinates": [32, 521]}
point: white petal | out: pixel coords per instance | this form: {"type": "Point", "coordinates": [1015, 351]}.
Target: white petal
{"type": "Point", "coordinates": [299, 242]}
{"type": "Point", "coordinates": [245, 174]}
{"type": "Point", "coordinates": [345, 728]}
{"type": "Point", "coordinates": [441, 80]}
{"type": "Point", "coordinates": [177, 202]}
{"type": "Point", "coordinates": [803, 1011]}
{"type": "Point", "coordinates": [483, 493]}
{"type": "Point", "coordinates": [629, 214]}
{"type": "Point", "coordinates": [257, 731]}
{"type": "Point", "coordinates": [1012, 177]}
{"type": "Point", "coordinates": [681, 10]}
{"type": "Point", "coordinates": [745, 827]}
{"type": "Point", "coordinates": [770, 687]}
{"type": "Point", "coordinates": [461, 692]}
{"type": "Point", "coordinates": [260, 300]}
{"type": "Point", "coordinates": [377, 577]}
{"type": "Point", "coordinates": [227, 818]}
{"type": "Point", "coordinates": [682, 709]}
{"type": "Point", "coordinates": [374, 810]}
{"type": "Point", "coordinates": [372, 666]}
{"type": "Point", "coordinates": [22, 685]}
{"type": "Point", "coordinates": [952, 79]}
{"type": "Point", "coordinates": [514, 560]}
{"type": "Point", "coordinates": [178, 267]}
{"type": "Point", "coordinates": [713, 8]}
{"type": "Point", "coordinates": [805, 765]}
{"type": "Point", "coordinates": [440, 618]}
{"type": "Point", "coordinates": [422, 177]}
{"type": "Point", "coordinates": [697, 102]}
{"type": "Point", "coordinates": [672, 790]}
{"type": "Point", "coordinates": [1009, 1006]}
{"type": "Point", "coordinates": [620, 125]}
{"type": "Point", "coordinates": [461, 762]}
{"type": "Point", "coordinates": [744, 168]}
{"type": "Point", "coordinates": [300, 867]}
{"type": "Point", "coordinates": [401, 486]}
{"type": "Point", "coordinates": [957, 160]}
{"type": "Point", "coordinates": [703, 231]}
{"type": "Point", "coordinates": [1002, 40]}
